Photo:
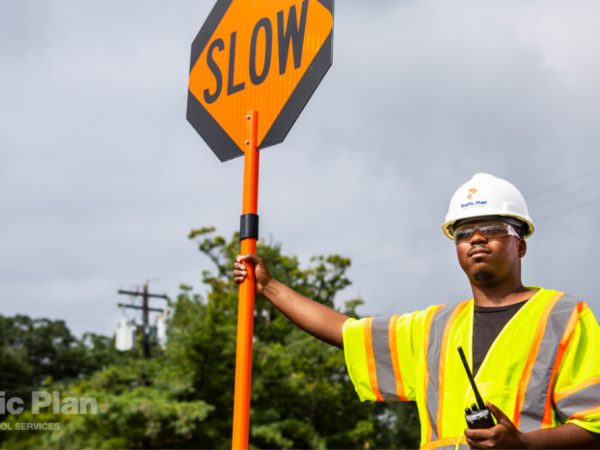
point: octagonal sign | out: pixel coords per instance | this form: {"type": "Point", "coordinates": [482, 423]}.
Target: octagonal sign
{"type": "Point", "coordinates": [263, 55]}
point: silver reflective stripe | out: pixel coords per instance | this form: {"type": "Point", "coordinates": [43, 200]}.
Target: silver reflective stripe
{"type": "Point", "coordinates": [386, 380]}
{"type": "Point", "coordinates": [436, 334]}
{"type": "Point", "coordinates": [582, 400]}
{"type": "Point", "coordinates": [534, 404]}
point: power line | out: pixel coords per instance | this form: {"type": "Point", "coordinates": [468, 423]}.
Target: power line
{"type": "Point", "coordinates": [565, 195]}
{"type": "Point", "coordinates": [86, 319]}
{"type": "Point", "coordinates": [564, 211]}
{"type": "Point", "coordinates": [93, 300]}
{"type": "Point", "coordinates": [88, 299]}
{"type": "Point", "coordinates": [416, 255]}
{"type": "Point", "coordinates": [387, 242]}
{"type": "Point", "coordinates": [86, 305]}
{"type": "Point", "coordinates": [405, 240]}
{"type": "Point", "coordinates": [413, 255]}
{"type": "Point", "coordinates": [400, 241]}
{"type": "Point", "coordinates": [563, 183]}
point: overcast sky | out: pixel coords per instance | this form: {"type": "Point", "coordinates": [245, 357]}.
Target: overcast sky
{"type": "Point", "coordinates": [102, 178]}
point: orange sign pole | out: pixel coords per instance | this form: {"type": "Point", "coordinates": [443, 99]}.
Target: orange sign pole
{"type": "Point", "coordinates": [245, 329]}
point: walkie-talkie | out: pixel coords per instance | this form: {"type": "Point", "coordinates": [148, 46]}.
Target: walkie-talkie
{"type": "Point", "coordinates": [477, 417]}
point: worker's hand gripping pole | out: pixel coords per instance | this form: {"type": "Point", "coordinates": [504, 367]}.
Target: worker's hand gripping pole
{"type": "Point", "coordinates": [248, 235]}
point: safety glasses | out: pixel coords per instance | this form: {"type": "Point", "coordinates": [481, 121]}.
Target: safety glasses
{"type": "Point", "coordinates": [488, 229]}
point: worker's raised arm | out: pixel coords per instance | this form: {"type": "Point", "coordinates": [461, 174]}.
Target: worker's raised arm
{"type": "Point", "coordinates": [316, 319]}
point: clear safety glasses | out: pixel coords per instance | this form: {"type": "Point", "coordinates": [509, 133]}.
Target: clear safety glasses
{"type": "Point", "coordinates": [488, 229]}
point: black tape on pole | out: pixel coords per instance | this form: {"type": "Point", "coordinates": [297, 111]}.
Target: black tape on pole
{"type": "Point", "coordinates": [248, 226]}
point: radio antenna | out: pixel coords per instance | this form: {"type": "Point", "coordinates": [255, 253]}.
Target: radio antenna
{"type": "Point", "coordinates": [471, 379]}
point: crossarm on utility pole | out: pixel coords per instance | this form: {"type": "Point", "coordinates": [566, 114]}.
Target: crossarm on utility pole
{"type": "Point", "coordinates": [137, 294]}
{"type": "Point", "coordinates": [123, 305]}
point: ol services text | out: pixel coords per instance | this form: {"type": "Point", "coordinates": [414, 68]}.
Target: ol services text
{"type": "Point", "coordinates": [30, 426]}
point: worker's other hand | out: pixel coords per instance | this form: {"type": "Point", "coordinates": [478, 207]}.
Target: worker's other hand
{"type": "Point", "coordinates": [503, 435]}
{"type": "Point", "coordinates": [263, 277]}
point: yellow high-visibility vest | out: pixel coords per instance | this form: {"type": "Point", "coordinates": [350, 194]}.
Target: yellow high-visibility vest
{"type": "Point", "coordinates": [542, 370]}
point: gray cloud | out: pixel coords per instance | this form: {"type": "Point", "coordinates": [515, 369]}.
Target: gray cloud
{"type": "Point", "coordinates": [102, 177]}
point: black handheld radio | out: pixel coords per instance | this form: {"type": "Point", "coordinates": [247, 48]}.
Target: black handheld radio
{"type": "Point", "coordinates": [478, 417]}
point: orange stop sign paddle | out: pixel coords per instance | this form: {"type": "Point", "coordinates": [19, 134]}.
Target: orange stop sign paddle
{"type": "Point", "coordinates": [255, 65]}
{"type": "Point", "coordinates": [267, 56]}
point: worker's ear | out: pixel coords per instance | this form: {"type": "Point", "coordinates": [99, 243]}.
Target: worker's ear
{"type": "Point", "coordinates": [522, 247]}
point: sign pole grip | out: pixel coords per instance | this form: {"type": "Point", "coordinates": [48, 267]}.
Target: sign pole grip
{"type": "Point", "coordinates": [245, 329]}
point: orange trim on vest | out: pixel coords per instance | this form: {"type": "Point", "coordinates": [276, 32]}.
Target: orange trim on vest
{"type": "Point", "coordinates": [371, 360]}
{"type": "Point", "coordinates": [395, 362]}
{"type": "Point", "coordinates": [562, 348]}
{"type": "Point", "coordinates": [562, 394]}
{"type": "Point", "coordinates": [426, 373]}
{"type": "Point", "coordinates": [531, 357]}
{"type": "Point", "coordinates": [587, 412]}
{"type": "Point", "coordinates": [459, 309]}
{"type": "Point", "coordinates": [444, 442]}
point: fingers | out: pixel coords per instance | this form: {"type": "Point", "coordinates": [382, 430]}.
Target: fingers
{"type": "Point", "coordinates": [263, 277]}
{"type": "Point", "coordinates": [248, 257]}
{"type": "Point", "coordinates": [239, 272]}
{"type": "Point", "coordinates": [477, 444]}
{"type": "Point", "coordinates": [478, 434]}
{"type": "Point", "coordinates": [497, 412]}
{"type": "Point", "coordinates": [478, 440]}
{"type": "Point", "coordinates": [239, 276]}
{"type": "Point", "coordinates": [481, 438]}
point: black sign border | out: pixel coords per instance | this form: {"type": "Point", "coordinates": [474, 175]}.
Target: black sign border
{"type": "Point", "coordinates": [211, 131]}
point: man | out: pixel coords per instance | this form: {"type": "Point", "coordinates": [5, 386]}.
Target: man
{"type": "Point", "coordinates": [535, 353]}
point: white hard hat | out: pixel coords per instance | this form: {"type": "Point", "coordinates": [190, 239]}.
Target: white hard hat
{"type": "Point", "coordinates": [486, 195]}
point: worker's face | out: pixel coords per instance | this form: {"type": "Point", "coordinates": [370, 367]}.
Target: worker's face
{"type": "Point", "coordinates": [491, 261]}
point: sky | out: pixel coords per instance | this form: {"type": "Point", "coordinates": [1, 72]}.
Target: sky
{"type": "Point", "coordinates": [102, 177]}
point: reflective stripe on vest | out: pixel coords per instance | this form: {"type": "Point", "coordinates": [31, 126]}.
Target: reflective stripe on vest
{"type": "Point", "coordinates": [436, 357]}
{"type": "Point", "coordinates": [382, 358]}
{"type": "Point", "coordinates": [584, 398]}
{"type": "Point", "coordinates": [562, 348]}
{"type": "Point", "coordinates": [542, 364]}
{"type": "Point", "coordinates": [431, 434]}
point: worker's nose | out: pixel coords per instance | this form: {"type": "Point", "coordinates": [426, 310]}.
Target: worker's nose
{"type": "Point", "coordinates": [478, 238]}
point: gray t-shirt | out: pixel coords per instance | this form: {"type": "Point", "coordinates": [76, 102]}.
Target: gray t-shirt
{"type": "Point", "coordinates": [489, 322]}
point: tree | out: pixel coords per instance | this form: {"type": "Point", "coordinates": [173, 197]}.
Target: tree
{"type": "Point", "coordinates": [49, 350]}
{"type": "Point", "coordinates": [302, 396]}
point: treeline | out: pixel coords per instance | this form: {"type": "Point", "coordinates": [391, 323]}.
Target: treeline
{"type": "Point", "coordinates": [182, 397]}
{"type": "Point", "coordinates": [36, 352]}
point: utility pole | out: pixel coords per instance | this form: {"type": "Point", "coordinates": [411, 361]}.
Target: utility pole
{"type": "Point", "coordinates": [145, 330]}
{"type": "Point", "coordinates": [145, 310]}
{"type": "Point", "coordinates": [145, 343]}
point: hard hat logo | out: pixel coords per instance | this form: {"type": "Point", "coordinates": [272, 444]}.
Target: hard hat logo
{"type": "Point", "coordinates": [471, 192]}
{"type": "Point", "coordinates": [478, 203]}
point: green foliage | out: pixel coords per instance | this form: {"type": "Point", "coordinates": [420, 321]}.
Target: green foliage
{"type": "Point", "coordinates": [37, 351]}
{"type": "Point", "coordinates": [129, 415]}
{"type": "Point", "coordinates": [302, 396]}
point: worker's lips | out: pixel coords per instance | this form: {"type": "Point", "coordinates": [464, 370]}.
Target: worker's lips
{"type": "Point", "coordinates": [478, 251]}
